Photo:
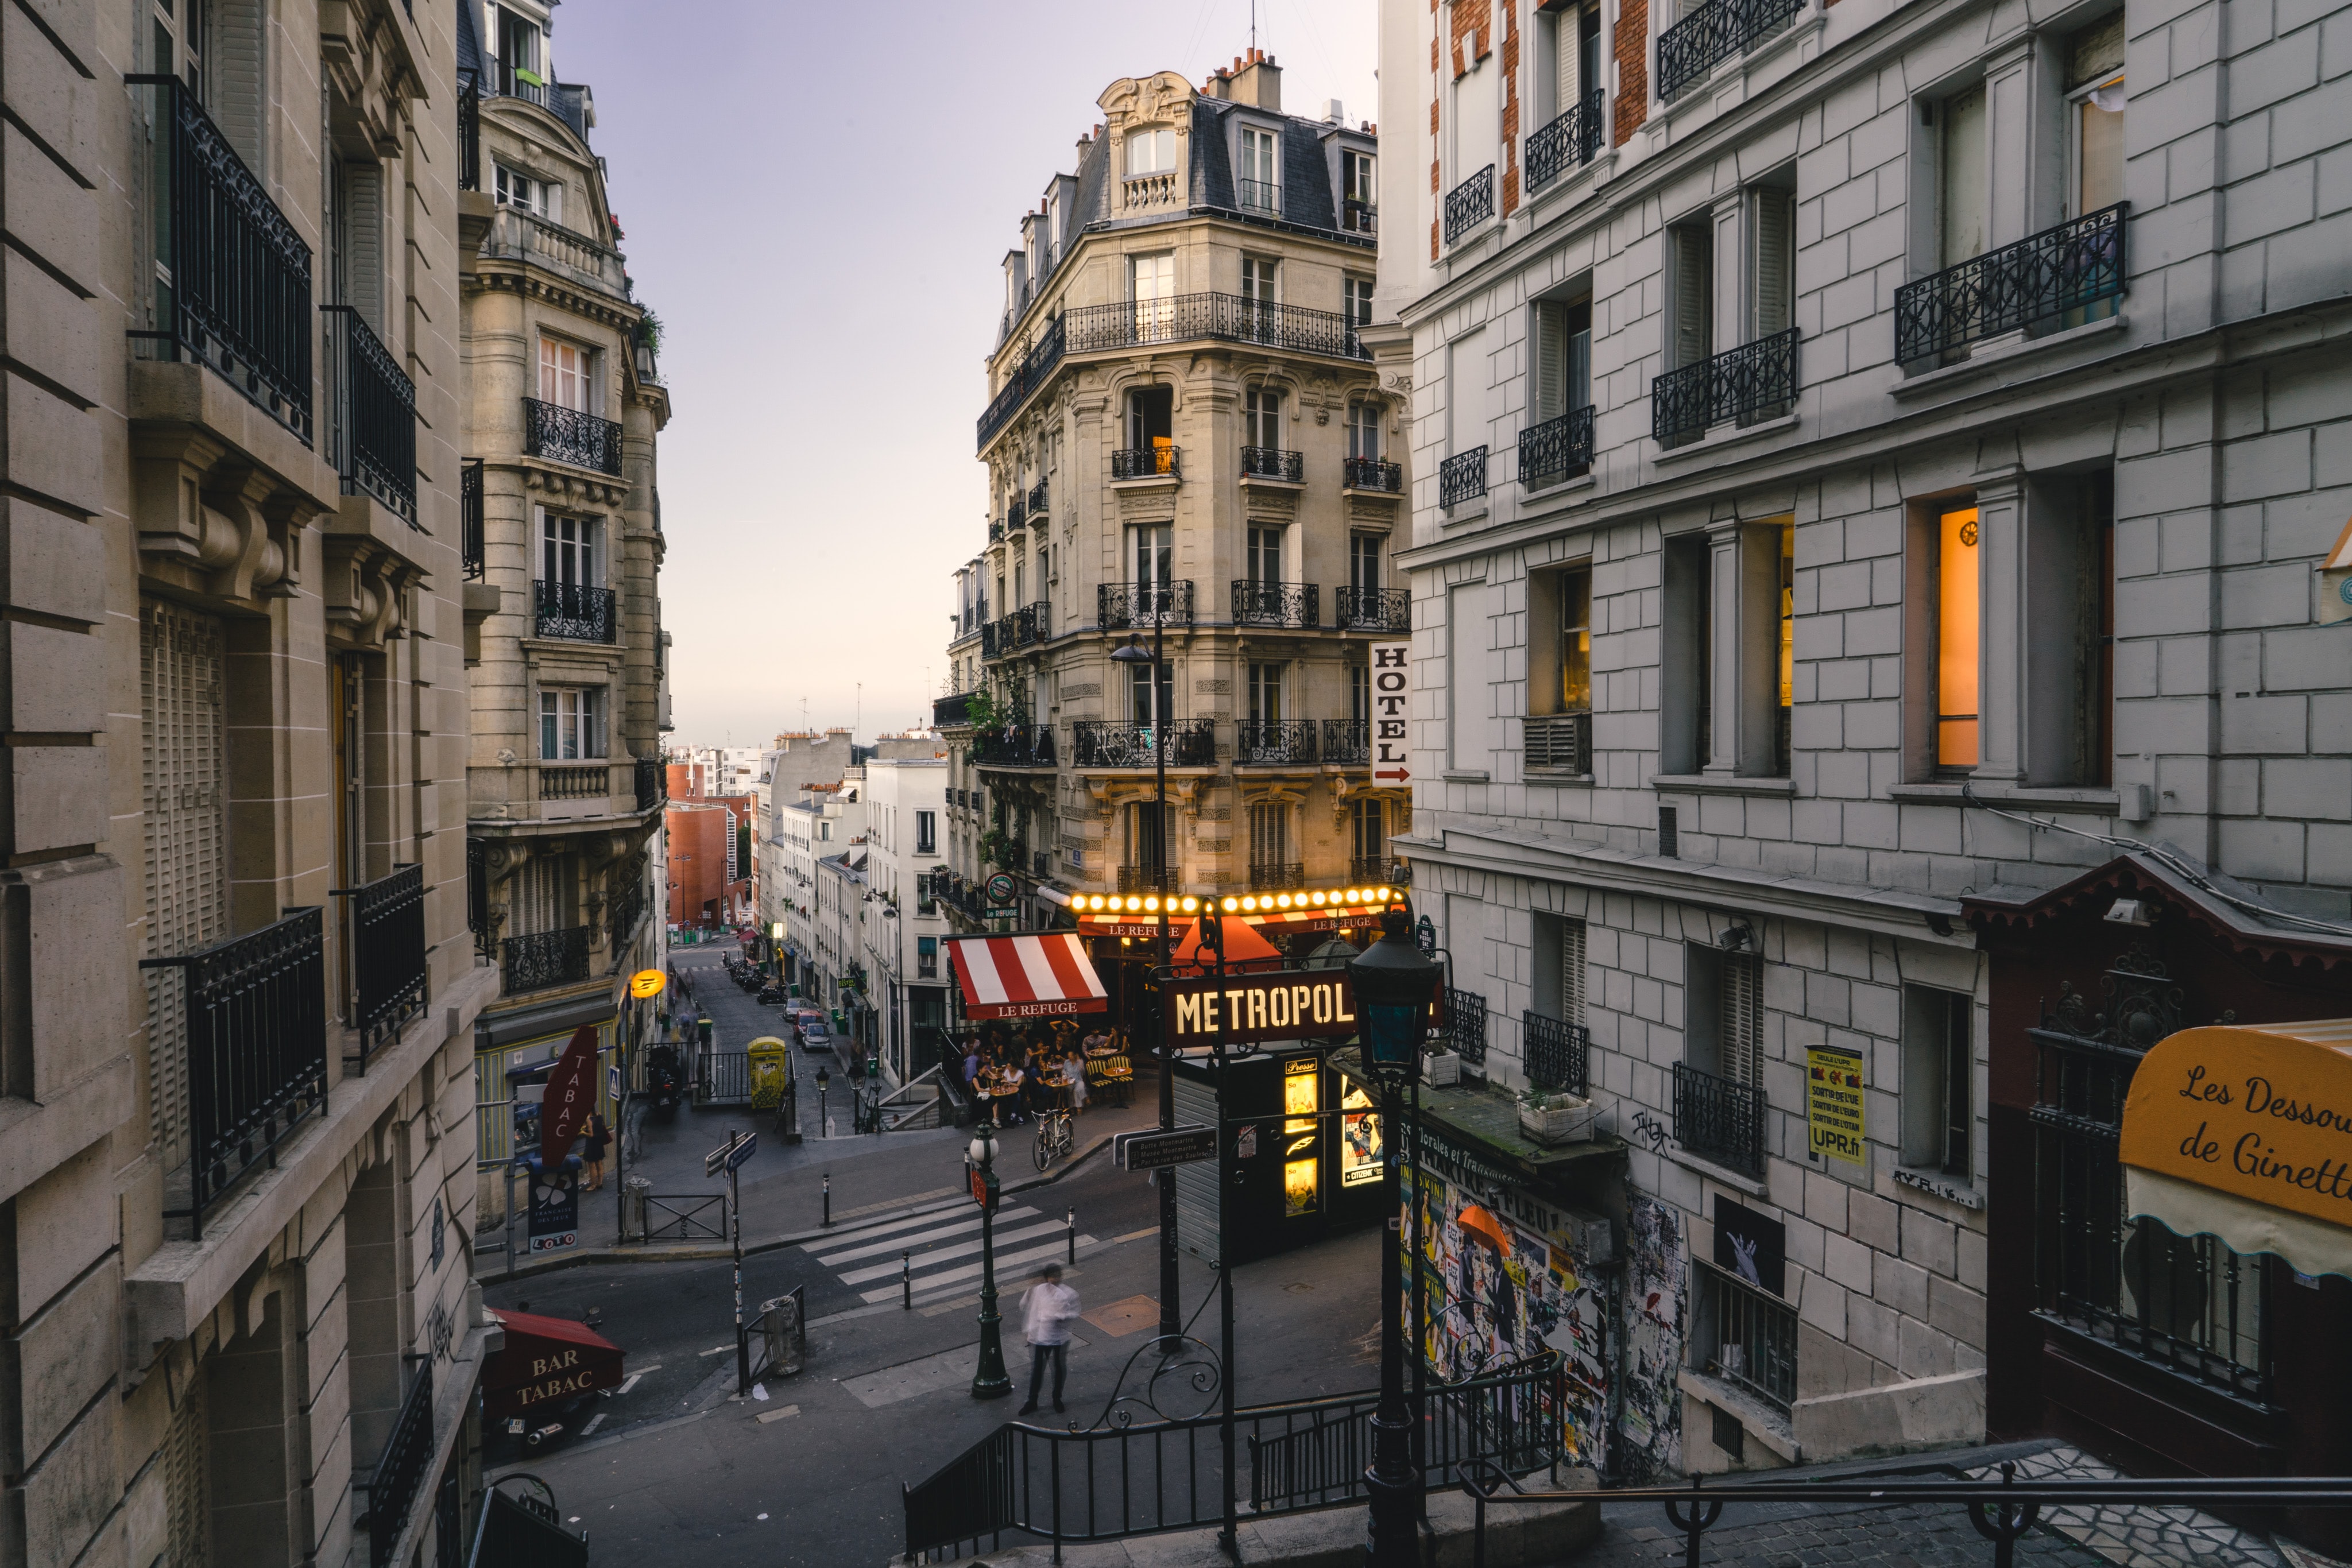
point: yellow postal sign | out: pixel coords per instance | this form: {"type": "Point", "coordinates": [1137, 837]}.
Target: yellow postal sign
{"type": "Point", "coordinates": [647, 983]}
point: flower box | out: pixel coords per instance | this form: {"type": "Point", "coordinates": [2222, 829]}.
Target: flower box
{"type": "Point", "coordinates": [1562, 1119]}
{"type": "Point", "coordinates": [1440, 1068]}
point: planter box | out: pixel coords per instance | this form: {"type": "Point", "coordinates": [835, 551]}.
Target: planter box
{"type": "Point", "coordinates": [1440, 1068]}
{"type": "Point", "coordinates": [1565, 1119]}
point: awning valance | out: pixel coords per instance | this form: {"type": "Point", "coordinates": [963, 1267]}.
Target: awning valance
{"type": "Point", "coordinates": [545, 1361]}
{"type": "Point", "coordinates": [2244, 1131]}
{"type": "Point", "coordinates": [1033, 974]}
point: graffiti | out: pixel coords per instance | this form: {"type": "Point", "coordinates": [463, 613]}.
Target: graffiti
{"type": "Point", "coordinates": [1657, 1262]}
{"type": "Point", "coordinates": [1650, 1131]}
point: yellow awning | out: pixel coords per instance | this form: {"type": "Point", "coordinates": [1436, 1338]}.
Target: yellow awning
{"type": "Point", "coordinates": [2244, 1131]}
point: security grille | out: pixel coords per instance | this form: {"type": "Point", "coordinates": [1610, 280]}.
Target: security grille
{"type": "Point", "coordinates": [186, 837]}
{"type": "Point", "coordinates": [187, 1479]}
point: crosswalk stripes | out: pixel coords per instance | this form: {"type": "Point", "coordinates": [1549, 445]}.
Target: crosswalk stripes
{"type": "Point", "coordinates": [945, 1251]}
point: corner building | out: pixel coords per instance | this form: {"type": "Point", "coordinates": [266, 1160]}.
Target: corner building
{"type": "Point", "coordinates": [1840, 434]}
{"type": "Point", "coordinates": [236, 1184]}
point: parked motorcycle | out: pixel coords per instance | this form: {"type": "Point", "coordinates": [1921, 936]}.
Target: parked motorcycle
{"type": "Point", "coordinates": [772, 994]}
{"type": "Point", "coordinates": [665, 1077]}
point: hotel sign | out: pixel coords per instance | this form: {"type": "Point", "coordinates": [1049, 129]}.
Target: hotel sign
{"type": "Point", "coordinates": [1295, 1004]}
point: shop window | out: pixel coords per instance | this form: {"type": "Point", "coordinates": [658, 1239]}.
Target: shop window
{"type": "Point", "coordinates": [1938, 1081]}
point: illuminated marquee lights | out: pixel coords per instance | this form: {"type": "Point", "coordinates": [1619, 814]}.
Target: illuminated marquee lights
{"type": "Point", "coordinates": [1324, 908]}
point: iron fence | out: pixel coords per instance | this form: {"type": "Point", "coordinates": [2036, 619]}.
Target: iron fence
{"type": "Point", "coordinates": [1147, 463]}
{"type": "Point", "coordinates": [373, 433]}
{"type": "Point", "coordinates": [1718, 1119]}
{"type": "Point", "coordinates": [2035, 280]}
{"type": "Point", "coordinates": [1358, 217]}
{"type": "Point", "coordinates": [574, 612]}
{"type": "Point", "coordinates": [400, 1469]}
{"type": "Point", "coordinates": [1372, 473]}
{"type": "Point", "coordinates": [544, 958]}
{"type": "Point", "coordinates": [1274, 463]}
{"type": "Point", "coordinates": [1557, 449]}
{"type": "Point", "coordinates": [469, 131]}
{"type": "Point", "coordinates": [1746, 1336]}
{"type": "Point", "coordinates": [1232, 316]}
{"type": "Point", "coordinates": [1109, 743]}
{"type": "Point", "coordinates": [569, 436]}
{"type": "Point", "coordinates": [471, 545]}
{"type": "Point", "coordinates": [256, 1053]}
{"type": "Point", "coordinates": [1558, 742]}
{"type": "Point", "coordinates": [1469, 204]}
{"type": "Point", "coordinates": [1715, 33]}
{"type": "Point", "coordinates": [1466, 1025]}
{"type": "Point", "coordinates": [1259, 603]}
{"type": "Point", "coordinates": [1374, 609]}
{"type": "Point", "coordinates": [653, 783]}
{"type": "Point", "coordinates": [1559, 1055]}
{"type": "Point", "coordinates": [1281, 741]}
{"type": "Point", "coordinates": [592, 783]}
{"type": "Point", "coordinates": [1120, 606]}
{"type": "Point", "coordinates": [386, 922]}
{"type": "Point", "coordinates": [1754, 381]}
{"type": "Point", "coordinates": [1347, 742]}
{"type": "Point", "coordinates": [232, 274]}
{"type": "Point", "coordinates": [722, 1078]}
{"type": "Point", "coordinates": [1461, 477]}
{"type": "Point", "coordinates": [684, 1216]}
{"type": "Point", "coordinates": [1014, 745]}
{"type": "Point", "coordinates": [1573, 139]}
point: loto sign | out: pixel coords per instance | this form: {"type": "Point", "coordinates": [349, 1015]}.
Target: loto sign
{"type": "Point", "coordinates": [1294, 1004]}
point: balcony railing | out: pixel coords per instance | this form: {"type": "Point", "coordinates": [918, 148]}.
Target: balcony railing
{"type": "Point", "coordinates": [546, 958]}
{"type": "Point", "coordinates": [1347, 742]}
{"type": "Point", "coordinates": [1358, 217]}
{"type": "Point", "coordinates": [1715, 33]}
{"type": "Point", "coordinates": [1147, 463]}
{"type": "Point", "coordinates": [1027, 376]}
{"type": "Point", "coordinates": [568, 436]}
{"type": "Point", "coordinates": [574, 612]}
{"type": "Point", "coordinates": [1120, 606]}
{"type": "Point", "coordinates": [951, 711]}
{"type": "Point", "coordinates": [469, 131]}
{"type": "Point", "coordinates": [1752, 382]}
{"type": "Point", "coordinates": [1033, 623]}
{"type": "Point", "coordinates": [1469, 204]}
{"type": "Point", "coordinates": [256, 1064]}
{"type": "Point", "coordinates": [2036, 280]}
{"type": "Point", "coordinates": [1037, 500]}
{"type": "Point", "coordinates": [1374, 609]}
{"type": "Point", "coordinates": [1372, 473]}
{"type": "Point", "coordinates": [592, 783]}
{"type": "Point", "coordinates": [1278, 743]}
{"type": "Point", "coordinates": [471, 544]}
{"type": "Point", "coordinates": [1105, 743]}
{"type": "Point", "coordinates": [1275, 603]}
{"type": "Point", "coordinates": [1233, 317]}
{"type": "Point", "coordinates": [1273, 463]}
{"type": "Point", "coordinates": [399, 1471]}
{"type": "Point", "coordinates": [1557, 449]}
{"type": "Point", "coordinates": [1258, 195]}
{"type": "Point", "coordinates": [1461, 477]}
{"type": "Point", "coordinates": [1014, 745]}
{"type": "Point", "coordinates": [1016, 514]}
{"type": "Point", "coordinates": [1145, 879]}
{"type": "Point", "coordinates": [386, 924]}
{"type": "Point", "coordinates": [1466, 1025]}
{"type": "Point", "coordinates": [1568, 142]}
{"type": "Point", "coordinates": [996, 639]}
{"type": "Point", "coordinates": [1559, 741]}
{"type": "Point", "coordinates": [1718, 1119]}
{"type": "Point", "coordinates": [1744, 1336]}
{"type": "Point", "coordinates": [480, 920]}
{"type": "Point", "coordinates": [1560, 1055]}
{"type": "Point", "coordinates": [232, 274]}
{"type": "Point", "coordinates": [1379, 869]}
{"type": "Point", "coordinates": [1277, 876]}
{"type": "Point", "coordinates": [653, 783]}
{"type": "Point", "coordinates": [373, 430]}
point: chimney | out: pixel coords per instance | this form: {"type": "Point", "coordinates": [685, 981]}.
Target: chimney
{"type": "Point", "coordinates": [1257, 81]}
{"type": "Point", "coordinates": [1219, 83]}
{"type": "Point", "coordinates": [1334, 113]}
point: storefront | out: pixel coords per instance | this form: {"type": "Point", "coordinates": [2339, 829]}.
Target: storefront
{"type": "Point", "coordinates": [1304, 1148]}
{"type": "Point", "coordinates": [2171, 1179]}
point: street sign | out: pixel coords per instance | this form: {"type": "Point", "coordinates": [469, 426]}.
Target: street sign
{"type": "Point", "coordinates": [1001, 888]}
{"type": "Point", "coordinates": [730, 1156]}
{"type": "Point", "coordinates": [1153, 1149]}
{"type": "Point", "coordinates": [984, 1189]}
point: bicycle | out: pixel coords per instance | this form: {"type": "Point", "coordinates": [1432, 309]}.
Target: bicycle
{"type": "Point", "coordinates": [1055, 1135]}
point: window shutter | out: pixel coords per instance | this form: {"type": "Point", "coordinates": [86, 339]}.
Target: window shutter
{"type": "Point", "coordinates": [1743, 1020]}
{"type": "Point", "coordinates": [1566, 89]}
{"type": "Point", "coordinates": [1692, 296]}
{"type": "Point", "coordinates": [1551, 360]}
{"type": "Point", "coordinates": [1774, 263]}
{"type": "Point", "coordinates": [1964, 193]}
{"type": "Point", "coordinates": [362, 238]}
{"type": "Point", "coordinates": [1571, 971]}
{"type": "Point", "coordinates": [186, 831]}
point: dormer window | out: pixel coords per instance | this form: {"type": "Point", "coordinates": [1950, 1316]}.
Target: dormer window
{"type": "Point", "coordinates": [1151, 152]}
{"type": "Point", "coordinates": [1257, 183]}
{"type": "Point", "coordinates": [516, 189]}
{"type": "Point", "coordinates": [521, 59]}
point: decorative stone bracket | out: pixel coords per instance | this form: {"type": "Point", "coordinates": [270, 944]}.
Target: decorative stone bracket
{"type": "Point", "coordinates": [212, 520]}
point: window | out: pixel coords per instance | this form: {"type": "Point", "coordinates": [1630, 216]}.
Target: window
{"type": "Point", "coordinates": [1368, 827]}
{"type": "Point", "coordinates": [1262, 556]}
{"type": "Point", "coordinates": [1265, 692]}
{"type": "Point", "coordinates": [1570, 46]}
{"type": "Point", "coordinates": [1563, 357]}
{"type": "Point", "coordinates": [1959, 634]}
{"type": "Point", "coordinates": [568, 549]}
{"type": "Point", "coordinates": [927, 833]}
{"type": "Point", "coordinates": [927, 958]}
{"type": "Point", "coordinates": [1557, 982]}
{"type": "Point", "coordinates": [1260, 318]}
{"type": "Point", "coordinates": [1473, 123]}
{"type": "Point", "coordinates": [1150, 416]}
{"type": "Point", "coordinates": [518, 57]}
{"type": "Point", "coordinates": [1744, 1336]}
{"type": "Point", "coordinates": [1269, 833]}
{"type": "Point", "coordinates": [1257, 175]}
{"type": "Point", "coordinates": [1144, 848]}
{"type": "Point", "coordinates": [1364, 430]}
{"type": "Point", "coordinates": [1357, 179]}
{"type": "Point", "coordinates": [1262, 417]}
{"type": "Point", "coordinates": [1938, 1081]}
{"type": "Point", "coordinates": [1575, 640]}
{"type": "Point", "coordinates": [514, 189]}
{"type": "Point", "coordinates": [1686, 736]}
{"type": "Point", "coordinates": [571, 723]}
{"type": "Point", "coordinates": [2095, 126]}
{"type": "Point", "coordinates": [1690, 335]}
{"type": "Point", "coordinates": [1139, 688]}
{"type": "Point", "coordinates": [825, 831]}
{"type": "Point", "coordinates": [1963, 149]}
{"type": "Point", "coordinates": [354, 228]}
{"type": "Point", "coordinates": [1356, 300]}
{"type": "Point", "coordinates": [178, 43]}
{"type": "Point", "coordinates": [1151, 152]}
{"type": "Point", "coordinates": [1364, 562]}
{"type": "Point", "coordinates": [563, 374]}
{"type": "Point", "coordinates": [1359, 694]}
{"type": "Point", "coordinates": [1466, 374]}
{"type": "Point", "coordinates": [1152, 285]}
{"type": "Point", "coordinates": [1722, 1014]}
{"type": "Point", "coordinates": [1151, 547]}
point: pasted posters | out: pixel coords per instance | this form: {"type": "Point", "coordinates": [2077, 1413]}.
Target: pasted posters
{"type": "Point", "coordinates": [1359, 1139]}
{"type": "Point", "coordinates": [1650, 1413]}
{"type": "Point", "coordinates": [1752, 1245]}
{"type": "Point", "coordinates": [1302, 1130]}
{"type": "Point", "coordinates": [1833, 1102]}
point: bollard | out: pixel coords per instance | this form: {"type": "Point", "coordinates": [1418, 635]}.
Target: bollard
{"type": "Point", "coordinates": [1073, 1235]}
{"type": "Point", "coordinates": [828, 1198]}
{"type": "Point", "coordinates": [906, 1281]}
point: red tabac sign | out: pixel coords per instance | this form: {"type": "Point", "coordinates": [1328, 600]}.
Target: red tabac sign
{"type": "Point", "coordinates": [571, 1093]}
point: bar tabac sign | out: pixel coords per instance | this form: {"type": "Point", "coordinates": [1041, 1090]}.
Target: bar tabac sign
{"type": "Point", "coordinates": [1243, 1009]}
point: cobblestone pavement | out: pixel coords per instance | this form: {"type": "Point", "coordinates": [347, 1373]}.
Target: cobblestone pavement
{"type": "Point", "coordinates": [1791, 1537]}
{"type": "Point", "coordinates": [2145, 1537]}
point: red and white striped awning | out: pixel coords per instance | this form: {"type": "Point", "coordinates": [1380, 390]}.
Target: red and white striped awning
{"type": "Point", "coordinates": [1042, 974]}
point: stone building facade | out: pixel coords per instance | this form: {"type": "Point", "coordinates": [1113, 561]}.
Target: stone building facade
{"type": "Point", "coordinates": [564, 616]}
{"type": "Point", "coordinates": [1865, 454]}
{"type": "Point", "coordinates": [237, 1176]}
{"type": "Point", "coordinates": [1185, 438]}
{"type": "Point", "coordinates": [907, 973]}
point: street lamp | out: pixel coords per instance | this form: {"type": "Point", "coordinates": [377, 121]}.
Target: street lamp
{"type": "Point", "coordinates": [1171, 1325]}
{"type": "Point", "coordinates": [990, 1382]}
{"type": "Point", "coordinates": [1393, 985]}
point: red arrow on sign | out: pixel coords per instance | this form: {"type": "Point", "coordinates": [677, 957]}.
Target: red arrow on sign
{"type": "Point", "coordinates": [1400, 775]}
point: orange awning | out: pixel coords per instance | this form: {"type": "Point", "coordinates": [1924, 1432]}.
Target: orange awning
{"type": "Point", "coordinates": [1245, 949]}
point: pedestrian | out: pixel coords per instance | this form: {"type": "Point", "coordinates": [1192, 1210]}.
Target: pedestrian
{"type": "Point", "coordinates": [1073, 1074]}
{"type": "Point", "coordinates": [1047, 1312]}
{"type": "Point", "coordinates": [599, 1135]}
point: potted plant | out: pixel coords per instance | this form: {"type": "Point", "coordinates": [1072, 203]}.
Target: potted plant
{"type": "Point", "coordinates": [1553, 1116]}
{"type": "Point", "coordinates": [1440, 1067]}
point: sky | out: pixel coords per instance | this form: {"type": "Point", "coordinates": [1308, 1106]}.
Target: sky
{"type": "Point", "coordinates": [816, 200]}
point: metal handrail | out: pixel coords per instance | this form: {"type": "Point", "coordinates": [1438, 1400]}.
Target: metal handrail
{"type": "Point", "coordinates": [1122, 606]}
{"type": "Point", "coordinates": [1470, 203]}
{"type": "Point", "coordinates": [1374, 609]}
{"type": "Point", "coordinates": [1282, 741]}
{"type": "Point", "coordinates": [1557, 449]}
{"type": "Point", "coordinates": [400, 1469]}
{"type": "Point", "coordinates": [1461, 477]}
{"type": "Point", "coordinates": [1274, 463]}
{"type": "Point", "coordinates": [388, 955]}
{"type": "Point", "coordinates": [1719, 1120]}
{"type": "Point", "coordinates": [1105, 743]}
{"type": "Point", "coordinates": [1372, 473]}
{"type": "Point", "coordinates": [1574, 138]}
{"type": "Point", "coordinates": [2036, 279]}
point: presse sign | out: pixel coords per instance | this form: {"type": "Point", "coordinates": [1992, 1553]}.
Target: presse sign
{"type": "Point", "coordinates": [1296, 1004]}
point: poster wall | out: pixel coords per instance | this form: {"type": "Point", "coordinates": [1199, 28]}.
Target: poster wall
{"type": "Point", "coordinates": [1650, 1413]}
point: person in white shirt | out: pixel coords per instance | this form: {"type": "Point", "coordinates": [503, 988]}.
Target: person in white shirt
{"type": "Point", "coordinates": [1045, 1316]}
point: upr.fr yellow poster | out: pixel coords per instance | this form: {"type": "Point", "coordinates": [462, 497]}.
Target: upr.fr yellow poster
{"type": "Point", "coordinates": [1833, 1102]}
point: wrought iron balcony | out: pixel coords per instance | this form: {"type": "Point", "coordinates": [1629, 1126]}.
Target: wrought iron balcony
{"type": "Point", "coordinates": [1232, 316]}
{"type": "Point", "coordinates": [469, 131]}
{"type": "Point", "coordinates": [947, 713]}
{"type": "Point", "coordinates": [257, 1056]}
{"type": "Point", "coordinates": [1558, 742]}
{"type": "Point", "coordinates": [1035, 365]}
{"type": "Point", "coordinates": [2033, 282]}
{"type": "Point", "coordinates": [1286, 741]}
{"type": "Point", "coordinates": [232, 274]}
{"type": "Point", "coordinates": [1146, 878]}
{"type": "Point", "coordinates": [1014, 745]}
{"type": "Point", "coordinates": [1461, 477]}
{"type": "Point", "coordinates": [1570, 142]}
{"type": "Point", "coordinates": [1374, 609]}
{"type": "Point", "coordinates": [1273, 463]}
{"type": "Point", "coordinates": [1372, 473]}
{"type": "Point", "coordinates": [574, 612]}
{"type": "Point", "coordinates": [1033, 623]}
{"type": "Point", "coordinates": [1358, 217]}
{"type": "Point", "coordinates": [1296, 604]}
{"type": "Point", "coordinates": [373, 431]}
{"type": "Point", "coordinates": [653, 783]}
{"type": "Point", "coordinates": [1557, 449]}
{"type": "Point", "coordinates": [402, 1468]}
{"type": "Point", "coordinates": [1147, 463]}
{"type": "Point", "coordinates": [545, 959]}
{"type": "Point", "coordinates": [1120, 606]}
{"type": "Point", "coordinates": [1037, 500]}
{"type": "Point", "coordinates": [1377, 870]}
{"type": "Point", "coordinates": [1347, 742]}
{"type": "Point", "coordinates": [568, 436]}
{"type": "Point", "coordinates": [1041, 863]}
{"type": "Point", "coordinates": [1752, 382]}
{"type": "Point", "coordinates": [1016, 514]}
{"type": "Point", "coordinates": [479, 919]}
{"type": "Point", "coordinates": [588, 783]}
{"type": "Point", "coordinates": [1277, 876]}
{"type": "Point", "coordinates": [996, 529]}
{"type": "Point", "coordinates": [385, 925]}
{"type": "Point", "coordinates": [1258, 195]}
{"type": "Point", "coordinates": [625, 902]}
{"type": "Point", "coordinates": [1466, 1025]}
{"type": "Point", "coordinates": [1469, 204]}
{"type": "Point", "coordinates": [1718, 1119]}
{"type": "Point", "coordinates": [1105, 743]}
{"type": "Point", "coordinates": [1559, 1055]}
{"type": "Point", "coordinates": [1715, 33]}
{"type": "Point", "coordinates": [470, 541]}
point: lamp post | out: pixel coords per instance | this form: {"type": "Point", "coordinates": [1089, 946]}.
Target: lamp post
{"type": "Point", "coordinates": [990, 1381]}
{"type": "Point", "coordinates": [1172, 1324]}
{"type": "Point", "coordinates": [1393, 985]}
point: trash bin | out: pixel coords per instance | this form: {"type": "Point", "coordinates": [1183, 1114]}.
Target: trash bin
{"type": "Point", "coordinates": [633, 1206]}
{"type": "Point", "coordinates": [786, 1346]}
